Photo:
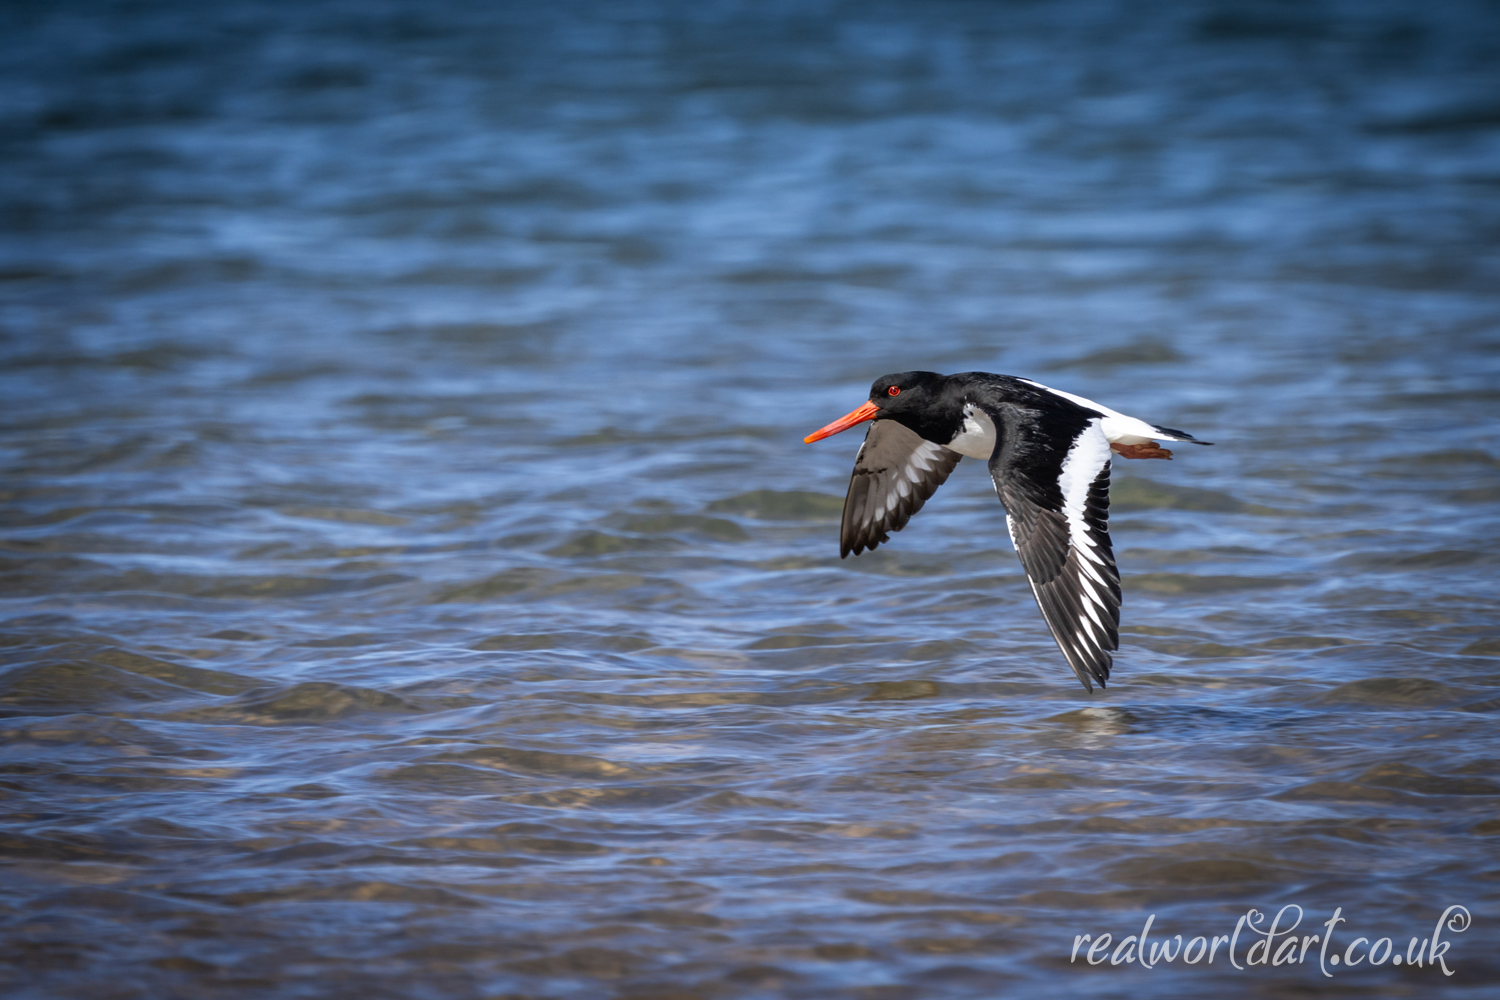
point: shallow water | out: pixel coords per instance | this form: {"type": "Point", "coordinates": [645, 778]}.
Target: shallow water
{"type": "Point", "coordinates": [414, 584]}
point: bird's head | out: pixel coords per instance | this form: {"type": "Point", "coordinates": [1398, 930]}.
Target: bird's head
{"type": "Point", "coordinates": [905, 395]}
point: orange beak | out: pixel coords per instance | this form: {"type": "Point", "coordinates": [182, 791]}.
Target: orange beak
{"type": "Point", "coordinates": [848, 420]}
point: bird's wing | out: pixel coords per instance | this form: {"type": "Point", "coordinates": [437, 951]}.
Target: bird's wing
{"type": "Point", "coordinates": [1053, 477]}
{"type": "Point", "coordinates": [895, 472]}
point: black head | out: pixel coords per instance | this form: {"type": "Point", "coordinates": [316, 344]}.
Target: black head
{"type": "Point", "coordinates": [919, 400]}
{"type": "Point", "coordinates": [906, 392]}
{"type": "Point", "coordinates": [923, 401]}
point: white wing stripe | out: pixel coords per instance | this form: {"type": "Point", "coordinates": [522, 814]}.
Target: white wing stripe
{"type": "Point", "coordinates": [1090, 571]}
{"type": "Point", "coordinates": [1088, 606]}
{"type": "Point", "coordinates": [1079, 470]}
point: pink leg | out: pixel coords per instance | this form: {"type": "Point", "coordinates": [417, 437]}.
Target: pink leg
{"type": "Point", "coordinates": [1151, 450]}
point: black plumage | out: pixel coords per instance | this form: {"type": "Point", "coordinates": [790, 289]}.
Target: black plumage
{"type": "Point", "coordinates": [1049, 455]}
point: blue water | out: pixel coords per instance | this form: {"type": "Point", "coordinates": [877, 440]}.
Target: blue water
{"type": "Point", "coordinates": [413, 583]}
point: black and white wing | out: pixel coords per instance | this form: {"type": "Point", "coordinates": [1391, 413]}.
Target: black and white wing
{"type": "Point", "coordinates": [1053, 478]}
{"type": "Point", "coordinates": [895, 472]}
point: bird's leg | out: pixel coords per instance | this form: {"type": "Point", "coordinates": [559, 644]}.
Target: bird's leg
{"type": "Point", "coordinates": [1149, 450]}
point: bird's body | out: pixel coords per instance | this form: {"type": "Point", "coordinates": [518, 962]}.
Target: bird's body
{"type": "Point", "coordinates": [1049, 455]}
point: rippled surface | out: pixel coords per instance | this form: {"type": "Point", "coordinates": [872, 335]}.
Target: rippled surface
{"type": "Point", "coordinates": [414, 584]}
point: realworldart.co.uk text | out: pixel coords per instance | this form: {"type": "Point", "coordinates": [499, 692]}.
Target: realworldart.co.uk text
{"type": "Point", "coordinates": [1253, 944]}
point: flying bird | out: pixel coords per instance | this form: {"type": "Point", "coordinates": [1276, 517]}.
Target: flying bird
{"type": "Point", "coordinates": [1049, 454]}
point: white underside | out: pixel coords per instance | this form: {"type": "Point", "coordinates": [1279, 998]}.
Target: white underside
{"type": "Point", "coordinates": [1117, 427]}
{"type": "Point", "coordinates": [977, 438]}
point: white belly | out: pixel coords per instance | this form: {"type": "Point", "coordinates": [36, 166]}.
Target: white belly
{"type": "Point", "coordinates": [977, 437]}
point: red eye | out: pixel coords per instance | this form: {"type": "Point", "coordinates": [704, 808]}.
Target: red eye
{"type": "Point", "coordinates": [894, 390]}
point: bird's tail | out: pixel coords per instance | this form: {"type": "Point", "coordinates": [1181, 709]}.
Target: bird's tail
{"type": "Point", "coordinates": [1172, 434]}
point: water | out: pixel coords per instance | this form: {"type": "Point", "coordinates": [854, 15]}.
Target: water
{"type": "Point", "coordinates": [414, 584]}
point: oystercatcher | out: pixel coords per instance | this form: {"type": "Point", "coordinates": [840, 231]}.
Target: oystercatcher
{"type": "Point", "coordinates": [1049, 454]}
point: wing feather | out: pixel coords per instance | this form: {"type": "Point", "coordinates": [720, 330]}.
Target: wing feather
{"type": "Point", "coordinates": [895, 473]}
{"type": "Point", "coordinates": [1054, 482]}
